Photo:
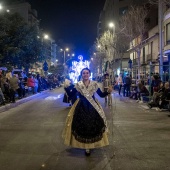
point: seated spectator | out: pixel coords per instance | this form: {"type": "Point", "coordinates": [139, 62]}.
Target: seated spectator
{"type": "Point", "coordinates": [164, 97]}
{"type": "Point", "coordinates": [136, 90]}
{"type": "Point", "coordinates": [156, 96]}
{"type": "Point", "coordinates": [139, 92]}
{"type": "Point", "coordinates": [142, 92]}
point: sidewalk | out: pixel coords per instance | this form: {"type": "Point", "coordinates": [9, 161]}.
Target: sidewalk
{"type": "Point", "coordinates": [20, 101]}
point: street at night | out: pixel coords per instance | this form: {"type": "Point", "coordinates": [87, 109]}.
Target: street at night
{"type": "Point", "coordinates": [31, 137]}
{"type": "Point", "coordinates": [85, 85]}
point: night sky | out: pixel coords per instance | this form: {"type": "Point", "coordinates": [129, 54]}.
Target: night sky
{"type": "Point", "coordinates": [74, 21]}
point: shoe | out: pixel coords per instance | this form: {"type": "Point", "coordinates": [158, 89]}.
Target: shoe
{"type": "Point", "coordinates": [87, 152]}
{"type": "Point", "coordinates": [137, 101]}
{"type": "Point", "coordinates": [140, 101]}
{"type": "Point", "coordinates": [158, 109]}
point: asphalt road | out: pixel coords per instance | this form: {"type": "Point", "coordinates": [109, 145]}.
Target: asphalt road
{"type": "Point", "coordinates": [30, 137]}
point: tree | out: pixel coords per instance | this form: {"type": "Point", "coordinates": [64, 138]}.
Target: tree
{"type": "Point", "coordinates": [121, 47]}
{"type": "Point", "coordinates": [106, 45]}
{"type": "Point", "coordinates": [133, 26]}
{"type": "Point", "coordinates": [115, 43]}
{"type": "Point", "coordinates": [19, 45]}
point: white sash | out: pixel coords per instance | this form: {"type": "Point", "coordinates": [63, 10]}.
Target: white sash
{"type": "Point", "coordinates": [81, 88]}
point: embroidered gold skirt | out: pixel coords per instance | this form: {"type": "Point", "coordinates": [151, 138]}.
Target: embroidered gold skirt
{"type": "Point", "coordinates": [69, 138]}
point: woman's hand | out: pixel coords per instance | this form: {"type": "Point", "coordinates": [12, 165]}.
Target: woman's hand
{"type": "Point", "coordinates": [110, 89]}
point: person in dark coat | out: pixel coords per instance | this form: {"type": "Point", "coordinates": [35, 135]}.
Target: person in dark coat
{"type": "Point", "coordinates": [127, 83]}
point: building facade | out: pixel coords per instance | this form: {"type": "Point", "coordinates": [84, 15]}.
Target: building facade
{"type": "Point", "coordinates": [150, 52]}
{"type": "Point", "coordinates": [112, 12]}
{"type": "Point", "coordinates": [25, 10]}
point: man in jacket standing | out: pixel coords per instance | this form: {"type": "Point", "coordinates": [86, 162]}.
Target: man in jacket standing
{"type": "Point", "coordinates": [127, 83]}
{"type": "Point", "coordinates": [13, 84]}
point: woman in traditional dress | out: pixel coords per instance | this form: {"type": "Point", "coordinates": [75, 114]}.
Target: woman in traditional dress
{"type": "Point", "coordinates": [86, 125]}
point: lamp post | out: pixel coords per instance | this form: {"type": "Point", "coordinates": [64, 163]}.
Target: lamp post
{"type": "Point", "coordinates": [1, 7]}
{"type": "Point", "coordinates": [112, 26]}
{"type": "Point", "coordinates": [44, 42]}
{"type": "Point", "coordinates": [160, 37]}
{"type": "Point", "coordinates": [64, 52]}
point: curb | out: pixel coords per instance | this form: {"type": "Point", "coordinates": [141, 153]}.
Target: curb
{"type": "Point", "coordinates": [20, 101]}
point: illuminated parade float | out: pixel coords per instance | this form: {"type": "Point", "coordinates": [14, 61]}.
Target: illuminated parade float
{"type": "Point", "coordinates": [77, 67]}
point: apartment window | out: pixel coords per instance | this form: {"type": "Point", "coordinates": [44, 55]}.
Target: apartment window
{"type": "Point", "coordinates": [123, 10]}
{"type": "Point", "coordinates": [168, 33]}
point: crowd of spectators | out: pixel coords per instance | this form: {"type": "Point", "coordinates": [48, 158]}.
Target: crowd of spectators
{"type": "Point", "coordinates": [16, 86]}
{"type": "Point", "coordinates": [146, 88]}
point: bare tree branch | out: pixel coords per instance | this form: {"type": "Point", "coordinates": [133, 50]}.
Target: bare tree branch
{"type": "Point", "coordinates": [107, 44]}
{"type": "Point", "coordinates": [133, 23]}
{"type": "Point", "coordinates": [134, 27]}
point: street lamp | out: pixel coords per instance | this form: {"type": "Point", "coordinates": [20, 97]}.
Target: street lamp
{"type": "Point", "coordinates": [1, 7]}
{"type": "Point", "coordinates": [46, 36]}
{"type": "Point", "coordinates": [111, 25]}
{"type": "Point", "coordinates": [64, 51]}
